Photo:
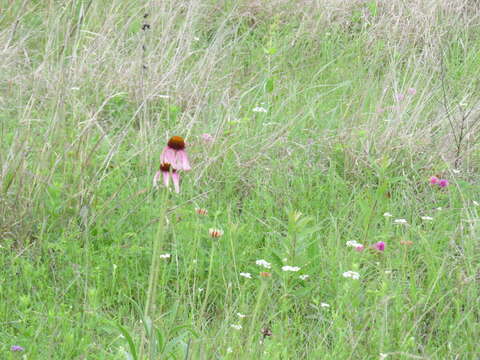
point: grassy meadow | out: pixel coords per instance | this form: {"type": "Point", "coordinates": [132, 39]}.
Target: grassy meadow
{"type": "Point", "coordinates": [309, 124]}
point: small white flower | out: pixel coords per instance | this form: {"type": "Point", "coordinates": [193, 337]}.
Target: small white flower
{"type": "Point", "coordinates": [290, 268]}
{"type": "Point", "coordinates": [400, 221]}
{"type": "Point", "coordinates": [263, 263]}
{"type": "Point", "coordinates": [241, 316]}
{"type": "Point", "coordinates": [165, 256]}
{"type": "Point", "coordinates": [387, 214]}
{"type": "Point", "coordinates": [351, 274]}
{"type": "Point", "coordinates": [200, 289]}
{"type": "Point", "coordinates": [304, 277]}
{"type": "Point", "coordinates": [229, 350]}
{"type": "Point", "coordinates": [236, 327]}
{"type": "Point", "coordinates": [246, 275]}
{"type": "Point", "coordinates": [324, 305]}
{"type": "Point", "coordinates": [426, 218]}
{"type": "Point", "coordinates": [259, 109]}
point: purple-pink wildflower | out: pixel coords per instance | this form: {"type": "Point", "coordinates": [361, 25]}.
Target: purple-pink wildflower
{"type": "Point", "coordinates": [434, 180]}
{"type": "Point", "coordinates": [412, 91]}
{"type": "Point", "coordinates": [17, 348]}
{"type": "Point", "coordinates": [399, 97]}
{"type": "Point", "coordinates": [173, 158]}
{"type": "Point", "coordinates": [207, 137]}
{"type": "Point", "coordinates": [175, 155]}
{"type": "Point", "coordinates": [380, 246]}
{"type": "Point", "coordinates": [443, 183]}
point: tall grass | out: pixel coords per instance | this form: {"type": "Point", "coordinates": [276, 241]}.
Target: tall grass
{"type": "Point", "coordinates": [364, 100]}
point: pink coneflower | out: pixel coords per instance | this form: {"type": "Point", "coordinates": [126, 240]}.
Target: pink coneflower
{"type": "Point", "coordinates": [443, 183]}
{"type": "Point", "coordinates": [434, 180]}
{"type": "Point", "coordinates": [165, 172]}
{"type": "Point", "coordinates": [380, 246]}
{"type": "Point", "coordinates": [175, 155]}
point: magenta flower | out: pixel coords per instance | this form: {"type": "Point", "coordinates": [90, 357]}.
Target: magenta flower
{"type": "Point", "coordinates": [207, 137]}
{"type": "Point", "coordinates": [434, 180]}
{"type": "Point", "coordinates": [359, 248]}
{"type": "Point", "coordinates": [17, 348]}
{"type": "Point", "coordinates": [443, 183]}
{"type": "Point", "coordinates": [412, 91]}
{"type": "Point", "coordinates": [175, 155]}
{"type": "Point", "coordinates": [380, 246]}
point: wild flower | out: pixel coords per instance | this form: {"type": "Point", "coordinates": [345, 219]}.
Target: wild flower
{"type": "Point", "coordinates": [173, 158]}
{"type": "Point", "coordinates": [324, 305]}
{"type": "Point", "coordinates": [229, 350]}
{"type": "Point", "coordinates": [175, 155]}
{"type": "Point", "coordinates": [443, 183]}
{"type": "Point", "coordinates": [426, 218]}
{"type": "Point", "coordinates": [400, 221]}
{"type": "Point", "coordinates": [259, 109]}
{"type": "Point", "coordinates": [215, 233]}
{"type": "Point", "coordinates": [356, 245]}
{"type": "Point", "coordinates": [165, 256]}
{"type": "Point", "coordinates": [241, 316]}
{"type": "Point", "coordinates": [290, 268]}
{"type": "Point", "coordinates": [351, 274]}
{"type": "Point", "coordinates": [434, 180]}
{"type": "Point", "coordinates": [263, 263]}
{"type": "Point", "coordinates": [236, 327]}
{"type": "Point", "coordinates": [17, 348]}
{"type": "Point", "coordinates": [399, 97]}
{"type": "Point", "coordinates": [201, 211]}
{"type": "Point", "coordinates": [265, 274]}
{"type": "Point", "coordinates": [387, 214]}
{"type": "Point", "coordinates": [380, 246]}
{"type": "Point", "coordinates": [246, 275]}
{"type": "Point", "coordinates": [411, 91]}
{"type": "Point", "coordinates": [207, 138]}
{"type": "Point", "coordinates": [304, 277]}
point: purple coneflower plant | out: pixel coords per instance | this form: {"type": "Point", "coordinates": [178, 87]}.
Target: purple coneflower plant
{"type": "Point", "coordinates": [173, 158]}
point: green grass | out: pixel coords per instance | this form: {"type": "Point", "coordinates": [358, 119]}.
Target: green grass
{"type": "Point", "coordinates": [88, 100]}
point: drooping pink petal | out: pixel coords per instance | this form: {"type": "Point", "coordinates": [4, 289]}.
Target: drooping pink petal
{"type": "Point", "coordinates": [166, 178]}
{"type": "Point", "coordinates": [168, 156]}
{"type": "Point", "coordinates": [156, 178]}
{"type": "Point", "coordinates": [182, 161]}
{"type": "Point", "coordinates": [176, 181]}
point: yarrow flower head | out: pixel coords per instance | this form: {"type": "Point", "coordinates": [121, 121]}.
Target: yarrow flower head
{"type": "Point", "coordinates": [426, 218]}
{"type": "Point", "coordinates": [165, 256]}
{"type": "Point", "coordinates": [356, 245]}
{"type": "Point", "coordinates": [263, 263]}
{"type": "Point", "coordinates": [304, 277]}
{"type": "Point", "coordinates": [17, 348]}
{"type": "Point", "coordinates": [400, 221]}
{"type": "Point", "coordinates": [246, 275]}
{"type": "Point", "coordinates": [324, 305]}
{"type": "Point", "coordinates": [387, 214]}
{"type": "Point", "coordinates": [173, 158]}
{"type": "Point", "coordinates": [380, 246]}
{"type": "Point", "coordinates": [351, 274]}
{"type": "Point", "coordinates": [290, 268]}
{"type": "Point", "coordinates": [259, 109]}
{"type": "Point", "coordinates": [215, 233]}
{"type": "Point", "coordinates": [236, 327]}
